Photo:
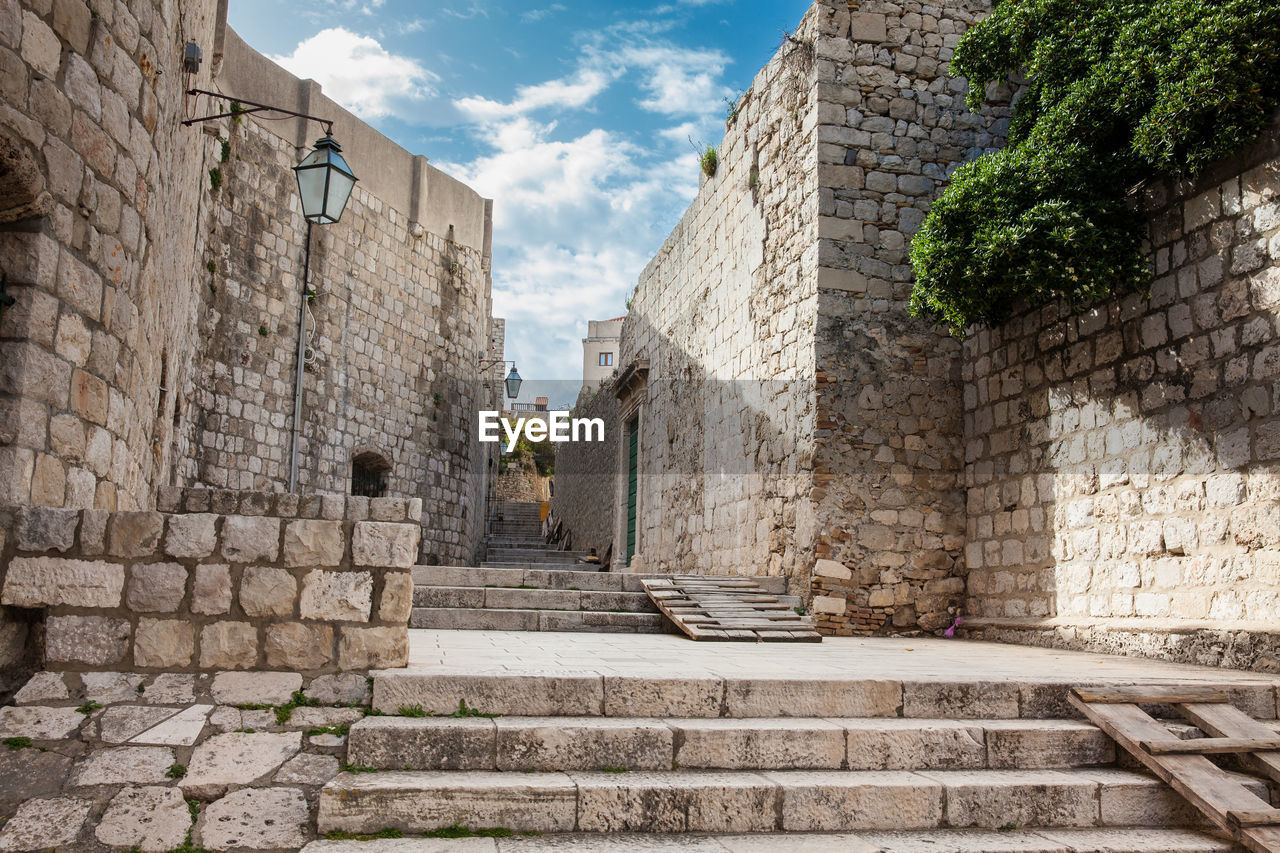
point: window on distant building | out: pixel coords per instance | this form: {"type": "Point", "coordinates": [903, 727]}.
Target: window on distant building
{"type": "Point", "coordinates": [606, 359]}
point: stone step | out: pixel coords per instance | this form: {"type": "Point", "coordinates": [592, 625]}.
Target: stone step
{"type": "Point", "coordinates": [521, 598]}
{"type": "Point", "coordinates": [1091, 840]}
{"type": "Point", "coordinates": [578, 692]}
{"type": "Point", "coordinates": [543, 578]}
{"type": "Point", "coordinates": [599, 743]}
{"type": "Point", "coordinates": [574, 565]}
{"type": "Point", "coordinates": [532, 555]}
{"type": "Point", "coordinates": [486, 619]}
{"type": "Point", "coordinates": [740, 801]}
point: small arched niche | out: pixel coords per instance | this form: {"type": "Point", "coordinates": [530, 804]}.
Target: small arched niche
{"type": "Point", "coordinates": [369, 472]}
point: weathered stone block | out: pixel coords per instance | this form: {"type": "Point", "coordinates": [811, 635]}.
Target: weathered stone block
{"type": "Point", "coordinates": [314, 543]}
{"type": "Point", "coordinates": [723, 744]}
{"type": "Point", "coordinates": [893, 743]}
{"type": "Point", "coordinates": [299, 646]}
{"type": "Point", "coordinates": [548, 743]}
{"type": "Point", "coordinates": [237, 758]}
{"type": "Point", "coordinates": [385, 544]}
{"type": "Point", "coordinates": [164, 643]}
{"type": "Point", "coordinates": [228, 645]}
{"type": "Point", "coordinates": [49, 581]}
{"type": "Point", "coordinates": [190, 535]}
{"type": "Point", "coordinates": [250, 539]}
{"type": "Point", "coordinates": [156, 587]}
{"type": "Point", "coordinates": [134, 534]}
{"type": "Point", "coordinates": [400, 743]}
{"type": "Point", "coordinates": [94, 640]}
{"type": "Point", "coordinates": [662, 697]}
{"type": "Point", "coordinates": [211, 591]}
{"type": "Point", "coordinates": [45, 824]}
{"type": "Point", "coordinates": [42, 529]}
{"type": "Point", "coordinates": [39, 723]}
{"type": "Point", "coordinates": [373, 648]}
{"type": "Point", "coordinates": [397, 597]}
{"type": "Point", "coordinates": [344, 688]}
{"type": "Point", "coordinates": [125, 765]}
{"type": "Point", "coordinates": [825, 801]}
{"type": "Point", "coordinates": [337, 596]}
{"type": "Point", "coordinates": [266, 592]}
{"type": "Point", "coordinates": [255, 688]}
{"type": "Point", "coordinates": [150, 818]}
{"type": "Point", "coordinates": [646, 801]}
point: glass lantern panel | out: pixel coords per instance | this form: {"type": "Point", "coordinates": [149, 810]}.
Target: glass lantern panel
{"type": "Point", "coordinates": [311, 190]}
{"type": "Point", "coordinates": [340, 186]}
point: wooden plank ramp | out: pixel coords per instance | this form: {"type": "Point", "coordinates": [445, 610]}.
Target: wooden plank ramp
{"type": "Point", "coordinates": [725, 608]}
{"type": "Point", "coordinates": [1183, 765]}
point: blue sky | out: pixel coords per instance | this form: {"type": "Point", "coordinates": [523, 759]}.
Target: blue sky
{"type": "Point", "coordinates": [575, 117]}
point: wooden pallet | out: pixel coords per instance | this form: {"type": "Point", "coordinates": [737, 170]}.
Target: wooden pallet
{"type": "Point", "coordinates": [723, 608]}
{"type": "Point", "coordinates": [1182, 763]}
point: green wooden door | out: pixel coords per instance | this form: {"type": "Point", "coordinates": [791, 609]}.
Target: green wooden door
{"type": "Point", "coordinates": [633, 456]}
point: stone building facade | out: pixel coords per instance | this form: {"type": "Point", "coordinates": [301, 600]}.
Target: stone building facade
{"type": "Point", "coordinates": [792, 420]}
{"type": "Point", "coordinates": [157, 272]}
{"type": "Point", "coordinates": [1100, 477]}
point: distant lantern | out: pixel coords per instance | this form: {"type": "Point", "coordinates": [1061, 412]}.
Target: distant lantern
{"type": "Point", "coordinates": [325, 182]}
{"type": "Point", "coordinates": [513, 382]}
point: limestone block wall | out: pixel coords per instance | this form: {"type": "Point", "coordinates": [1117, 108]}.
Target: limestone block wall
{"type": "Point", "coordinates": [312, 585]}
{"type": "Point", "coordinates": [98, 206]}
{"type": "Point", "coordinates": [1123, 461]}
{"type": "Point", "coordinates": [397, 328]}
{"type": "Point", "coordinates": [888, 493]}
{"type": "Point", "coordinates": [585, 481]}
{"type": "Point", "coordinates": [157, 271]}
{"type": "Point", "coordinates": [723, 317]}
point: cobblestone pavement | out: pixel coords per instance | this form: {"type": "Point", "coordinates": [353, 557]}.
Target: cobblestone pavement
{"type": "Point", "coordinates": [118, 761]}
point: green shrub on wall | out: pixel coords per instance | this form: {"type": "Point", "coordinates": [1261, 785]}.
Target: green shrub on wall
{"type": "Point", "coordinates": [1116, 94]}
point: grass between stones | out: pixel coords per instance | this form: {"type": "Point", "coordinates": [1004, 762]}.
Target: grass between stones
{"type": "Point", "coordinates": [464, 710]}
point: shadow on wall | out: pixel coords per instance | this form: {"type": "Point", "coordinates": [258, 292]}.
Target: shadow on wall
{"type": "Point", "coordinates": [1123, 462]}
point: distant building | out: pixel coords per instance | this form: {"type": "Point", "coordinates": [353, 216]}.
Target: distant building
{"type": "Point", "coordinates": [537, 410]}
{"type": "Point", "coordinates": [600, 350]}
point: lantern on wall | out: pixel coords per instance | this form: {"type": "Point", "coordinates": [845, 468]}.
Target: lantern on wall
{"type": "Point", "coordinates": [325, 182]}
{"type": "Point", "coordinates": [512, 382]}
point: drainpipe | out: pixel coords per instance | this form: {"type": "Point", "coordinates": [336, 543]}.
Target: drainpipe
{"type": "Point", "coordinates": [302, 357]}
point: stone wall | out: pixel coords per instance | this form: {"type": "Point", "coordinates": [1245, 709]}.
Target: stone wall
{"type": "Point", "coordinates": [1123, 460]}
{"type": "Point", "coordinates": [157, 272]}
{"type": "Point", "coordinates": [888, 495]}
{"type": "Point", "coordinates": [794, 420]}
{"type": "Point", "coordinates": [396, 330]}
{"type": "Point", "coordinates": [96, 243]}
{"type": "Point", "coordinates": [309, 585]}
{"type": "Point", "coordinates": [719, 319]}
{"type": "Point", "coordinates": [585, 480]}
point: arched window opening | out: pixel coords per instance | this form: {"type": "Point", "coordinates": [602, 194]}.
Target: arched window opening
{"type": "Point", "coordinates": [369, 475]}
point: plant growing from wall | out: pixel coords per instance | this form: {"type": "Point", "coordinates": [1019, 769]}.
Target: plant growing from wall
{"type": "Point", "coordinates": [215, 178]}
{"type": "Point", "coordinates": [710, 161]}
{"type": "Point", "coordinates": [1117, 94]}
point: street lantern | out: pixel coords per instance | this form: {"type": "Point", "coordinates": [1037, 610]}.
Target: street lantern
{"type": "Point", "coordinates": [325, 182]}
{"type": "Point", "coordinates": [512, 382]}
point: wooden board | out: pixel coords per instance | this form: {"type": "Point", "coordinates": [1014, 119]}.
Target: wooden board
{"type": "Point", "coordinates": [1220, 797]}
{"type": "Point", "coordinates": [728, 609]}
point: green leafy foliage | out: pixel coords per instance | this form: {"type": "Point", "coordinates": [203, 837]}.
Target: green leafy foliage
{"type": "Point", "coordinates": [710, 161]}
{"type": "Point", "coordinates": [1116, 94]}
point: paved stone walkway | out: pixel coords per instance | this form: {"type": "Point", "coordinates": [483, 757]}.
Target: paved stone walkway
{"type": "Point", "coordinates": [94, 762]}
{"type": "Point", "coordinates": [836, 658]}
{"type": "Point", "coordinates": [97, 762]}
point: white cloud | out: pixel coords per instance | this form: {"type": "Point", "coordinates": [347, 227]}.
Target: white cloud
{"type": "Point", "coordinates": [357, 72]}
{"type": "Point", "coordinates": [566, 93]}
{"type": "Point", "coordinates": [679, 81]}
{"type": "Point", "coordinates": [534, 15]}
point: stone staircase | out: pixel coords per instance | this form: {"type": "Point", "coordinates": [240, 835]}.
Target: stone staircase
{"type": "Point", "coordinates": [851, 766]}
{"type": "Point", "coordinates": [525, 584]}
